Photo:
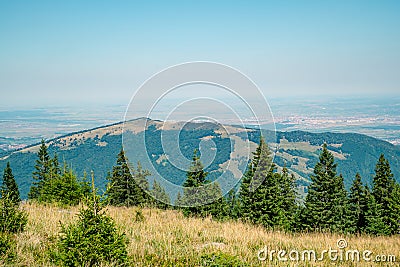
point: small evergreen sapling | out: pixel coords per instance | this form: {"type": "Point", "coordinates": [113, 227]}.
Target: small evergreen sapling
{"type": "Point", "coordinates": [9, 186]}
{"type": "Point", "coordinates": [93, 240]}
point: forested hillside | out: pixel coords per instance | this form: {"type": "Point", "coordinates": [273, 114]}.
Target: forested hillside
{"type": "Point", "coordinates": [95, 150]}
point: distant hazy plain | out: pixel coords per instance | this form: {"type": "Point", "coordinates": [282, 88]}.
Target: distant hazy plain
{"type": "Point", "coordinates": [377, 117]}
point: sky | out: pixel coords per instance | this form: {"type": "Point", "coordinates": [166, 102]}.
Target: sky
{"type": "Point", "coordinates": [99, 52]}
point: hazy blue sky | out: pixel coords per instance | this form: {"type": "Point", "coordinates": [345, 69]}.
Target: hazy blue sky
{"type": "Point", "coordinates": [63, 52]}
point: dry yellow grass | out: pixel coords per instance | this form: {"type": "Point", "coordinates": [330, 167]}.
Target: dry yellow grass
{"type": "Point", "coordinates": [166, 238]}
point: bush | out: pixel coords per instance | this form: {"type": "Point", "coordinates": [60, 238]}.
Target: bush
{"type": "Point", "coordinates": [12, 219]}
{"type": "Point", "coordinates": [93, 240]}
{"type": "Point", "coordinates": [7, 248]}
{"type": "Point", "coordinates": [64, 189]}
{"type": "Point", "coordinates": [139, 217]}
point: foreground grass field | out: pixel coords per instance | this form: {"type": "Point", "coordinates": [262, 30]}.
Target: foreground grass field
{"type": "Point", "coordinates": [166, 238]}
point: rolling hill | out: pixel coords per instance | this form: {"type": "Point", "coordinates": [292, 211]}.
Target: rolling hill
{"type": "Point", "coordinates": [96, 149]}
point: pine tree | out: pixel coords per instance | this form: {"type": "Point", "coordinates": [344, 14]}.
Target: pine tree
{"type": "Point", "coordinates": [383, 182]}
{"type": "Point", "coordinates": [178, 201]}
{"type": "Point", "coordinates": [326, 204]}
{"type": "Point", "coordinates": [12, 218]}
{"type": "Point", "coordinates": [195, 179]}
{"type": "Point", "coordinates": [198, 191]}
{"type": "Point", "coordinates": [218, 209]}
{"type": "Point", "coordinates": [93, 239]}
{"type": "Point", "coordinates": [266, 207]}
{"type": "Point", "coordinates": [267, 197]}
{"type": "Point", "coordinates": [287, 194]}
{"type": "Point", "coordinates": [358, 205]}
{"type": "Point", "coordinates": [125, 189]}
{"type": "Point", "coordinates": [63, 188]}
{"type": "Point", "coordinates": [394, 206]}
{"type": "Point", "coordinates": [247, 188]}
{"type": "Point", "coordinates": [55, 170]}
{"type": "Point", "coordinates": [233, 204]}
{"type": "Point", "coordinates": [140, 186]}
{"type": "Point", "coordinates": [374, 221]}
{"type": "Point", "coordinates": [161, 198]}
{"type": "Point", "coordinates": [9, 186]}
{"type": "Point", "coordinates": [384, 193]}
{"type": "Point", "coordinates": [42, 168]}
{"type": "Point", "coordinates": [341, 207]}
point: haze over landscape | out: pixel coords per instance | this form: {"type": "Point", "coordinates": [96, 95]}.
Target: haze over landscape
{"type": "Point", "coordinates": [71, 53]}
{"type": "Point", "coordinates": [325, 66]}
{"type": "Point", "coordinates": [299, 148]}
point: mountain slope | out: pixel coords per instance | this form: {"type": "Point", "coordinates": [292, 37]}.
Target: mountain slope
{"type": "Point", "coordinates": [96, 149]}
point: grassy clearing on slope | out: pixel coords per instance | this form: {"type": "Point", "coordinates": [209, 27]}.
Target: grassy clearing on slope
{"type": "Point", "coordinates": [166, 238]}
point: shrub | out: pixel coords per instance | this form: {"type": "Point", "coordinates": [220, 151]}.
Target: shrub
{"type": "Point", "coordinates": [91, 241]}
{"type": "Point", "coordinates": [7, 248]}
{"type": "Point", "coordinates": [139, 217]}
{"type": "Point", "coordinates": [12, 219]}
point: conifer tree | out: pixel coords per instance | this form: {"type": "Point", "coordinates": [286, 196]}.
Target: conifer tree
{"type": "Point", "coordinates": [266, 207]}
{"type": "Point", "coordinates": [384, 193]}
{"type": "Point", "coordinates": [140, 187]}
{"type": "Point", "coordinates": [161, 198]}
{"type": "Point", "coordinates": [341, 207]}
{"type": "Point", "coordinates": [246, 191]}
{"type": "Point", "coordinates": [394, 206]}
{"type": "Point", "coordinates": [48, 191]}
{"type": "Point", "coordinates": [358, 205]}
{"type": "Point", "coordinates": [125, 189]}
{"type": "Point", "coordinates": [42, 167]}
{"type": "Point", "coordinates": [197, 190]}
{"type": "Point", "coordinates": [55, 170]}
{"type": "Point", "coordinates": [383, 182]}
{"type": "Point", "coordinates": [288, 195]}
{"type": "Point", "coordinates": [93, 239]}
{"type": "Point", "coordinates": [9, 186]}
{"type": "Point", "coordinates": [375, 223]}
{"type": "Point", "coordinates": [63, 188]}
{"type": "Point", "coordinates": [12, 218]}
{"type": "Point", "coordinates": [233, 204]}
{"type": "Point", "coordinates": [326, 204]}
{"type": "Point", "coordinates": [195, 179]}
{"type": "Point", "coordinates": [178, 201]}
{"type": "Point", "coordinates": [267, 197]}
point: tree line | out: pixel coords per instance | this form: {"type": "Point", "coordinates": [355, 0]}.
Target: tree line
{"type": "Point", "coordinates": [264, 197]}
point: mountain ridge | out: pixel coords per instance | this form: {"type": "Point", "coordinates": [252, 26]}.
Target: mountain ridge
{"type": "Point", "coordinates": [96, 149]}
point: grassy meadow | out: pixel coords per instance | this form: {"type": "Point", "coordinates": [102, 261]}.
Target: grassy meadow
{"type": "Point", "coordinates": [166, 238]}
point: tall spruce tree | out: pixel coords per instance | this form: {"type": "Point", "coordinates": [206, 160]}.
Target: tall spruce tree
{"type": "Point", "coordinates": [55, 170]}
{"type": "Point", "coordinates": [358, 205]}
{"type": "Point", "coordinates": [246, 191]}
{"type": "Point", "coordinates": [384, 193]}
{"type": "Point", "coordinates": [267, 197]}
{"type": "Point", "coordinates": [125, 189]}
{"type": "Point", "coordinates": [394, 206]}
{"type": "Point", "coordinates": [198, 190]}
{"type": "Point", "coordinates": [325, 207]}
{"type": "Point", "coordinates": [233, 204]}
{"type": "Point", "coordinates": [288, 196]}
{"type": "Point", "coordinates": [375, 223]}
{"type": "Point", "coordinates": [42, 168]}
{"type": "Point", "coordinates": [140, 187]}
{"type": "Point", "coordinates": [9, 186]}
